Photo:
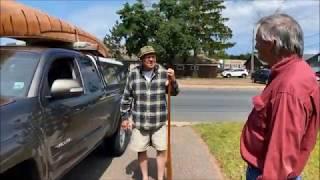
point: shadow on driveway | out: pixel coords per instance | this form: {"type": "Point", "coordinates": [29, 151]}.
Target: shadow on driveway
{"type": "Point", "coordinates": [92, 167]}
{"type": "Point", "coordinates": [133, 169]}
{"type": "Point", "coordinates": [188, 154]}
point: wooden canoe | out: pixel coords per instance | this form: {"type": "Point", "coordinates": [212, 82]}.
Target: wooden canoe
{"type": "Point", "coordinates": [35, 27]}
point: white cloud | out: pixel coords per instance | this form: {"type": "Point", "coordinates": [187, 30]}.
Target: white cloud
{"type": "Point", "coordinates": [244, 14]}
{"type": "Point", "coordinates": [96, 19]}
{"type": "Point", "coordinates": [99, 17]}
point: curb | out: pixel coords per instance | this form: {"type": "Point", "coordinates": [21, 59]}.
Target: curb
{"type": "Point", "coordinates": [183, 124]}
{"type": "Point", "coordinates": [221, 87]}
{"type": "Point", "coordinates": [213, 159]}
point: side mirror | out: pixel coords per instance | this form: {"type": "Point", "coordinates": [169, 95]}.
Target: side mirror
{"type": "Point", "coordinates": [65, 88]}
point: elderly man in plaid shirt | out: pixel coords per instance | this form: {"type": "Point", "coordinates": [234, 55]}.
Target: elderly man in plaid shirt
{"type": "Point", "coordinates": [145, 99]}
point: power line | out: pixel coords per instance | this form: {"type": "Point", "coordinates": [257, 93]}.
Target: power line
{"type": "Point", "coordinates": [306, 17]}
{"type": "Point", "coordinates": [311, 35]}
{"type": "Point", "coordinates": [312, 44]}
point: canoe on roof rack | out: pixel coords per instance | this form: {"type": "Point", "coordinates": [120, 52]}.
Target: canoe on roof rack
{"type": "Point", "coordinates": [37, 28]}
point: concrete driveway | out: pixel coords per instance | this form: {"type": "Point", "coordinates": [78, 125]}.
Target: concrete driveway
{"type": "Point", "coordinates": [191, 160]}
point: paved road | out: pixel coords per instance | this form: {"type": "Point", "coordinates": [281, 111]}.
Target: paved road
{"type": "Point", "coordinates": [199, 105]}
{"type": "Point", "coordinates": [191, 160]}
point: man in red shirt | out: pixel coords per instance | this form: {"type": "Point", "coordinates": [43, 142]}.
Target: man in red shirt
{"type": "Point", "coordinates": [281, 130]}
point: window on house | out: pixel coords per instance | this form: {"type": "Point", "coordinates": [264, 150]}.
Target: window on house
{"type": "Point", "coordinates": [194, 68]}
{"type": "Point", "coordinates": [180, 67]}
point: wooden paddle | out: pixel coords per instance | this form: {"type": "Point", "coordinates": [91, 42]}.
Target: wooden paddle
{"type": "Point", "coordinates": [169, 161]}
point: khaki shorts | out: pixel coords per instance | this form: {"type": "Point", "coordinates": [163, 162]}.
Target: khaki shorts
{"type": "Point", "coordinates": [141, 139]}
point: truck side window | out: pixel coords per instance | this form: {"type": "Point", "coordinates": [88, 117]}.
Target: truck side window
{"type": "Point", "coordinates": [91, 78]}
{"type": "Point", "coordinates": [110, 73]}
{"type": "Point", "coordinates": [62, 68]}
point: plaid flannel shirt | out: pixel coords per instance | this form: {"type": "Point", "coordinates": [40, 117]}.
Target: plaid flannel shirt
{"type": "Point", "coordinates": [146, 101]}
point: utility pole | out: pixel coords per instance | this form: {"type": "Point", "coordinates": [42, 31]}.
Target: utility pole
{"type": "Point", "coordinates": [252, 53]}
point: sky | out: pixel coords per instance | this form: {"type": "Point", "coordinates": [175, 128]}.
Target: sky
{"type": "Point", "coordinates": [98, 16]}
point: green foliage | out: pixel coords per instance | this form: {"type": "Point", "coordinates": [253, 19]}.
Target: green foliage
{"type": "Point", "coordinates": [223, 140]}
{"type": "Point", "coordinates": [241, 56]}
{"type": "Point", "coordinates": [113, 41]}
{"type": "Point", "coordinates": [173, 27]}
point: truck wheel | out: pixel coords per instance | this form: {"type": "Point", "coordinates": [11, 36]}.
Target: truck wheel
{"type": "Point", "coordinates": [116, 145]}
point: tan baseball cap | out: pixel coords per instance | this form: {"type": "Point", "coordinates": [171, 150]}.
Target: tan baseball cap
{"type": "Point", "coordinates": [146, 50]}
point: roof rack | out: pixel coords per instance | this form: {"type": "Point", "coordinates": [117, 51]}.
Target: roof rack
{"type": "Point", "coordinates": [85, 46]}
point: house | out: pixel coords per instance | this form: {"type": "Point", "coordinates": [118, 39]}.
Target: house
{"type": "Point", "coordinates": [314, 62]}
{"type": "Point", "coordinates": [130, 61]}
{"type": "Point", "coordinates": [233, 64]}
{"type": "Point", "coordinates": [307, 56]}
{"type": "Point", "coordinates": [200, 66]}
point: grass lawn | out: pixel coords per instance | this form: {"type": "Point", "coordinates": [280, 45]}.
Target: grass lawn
{"type": "Point", "coordinates": [223, 140]}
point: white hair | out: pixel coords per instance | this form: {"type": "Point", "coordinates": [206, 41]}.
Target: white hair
{"type": "Point", "coordinates": [284, 31]}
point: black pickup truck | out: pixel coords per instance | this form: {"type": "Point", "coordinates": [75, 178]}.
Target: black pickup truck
{"type": "Point", "coordinates": [57, 105]}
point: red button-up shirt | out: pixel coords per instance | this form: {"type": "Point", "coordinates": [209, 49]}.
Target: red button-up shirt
{"type": "Point", "coordinates": [282, 128]}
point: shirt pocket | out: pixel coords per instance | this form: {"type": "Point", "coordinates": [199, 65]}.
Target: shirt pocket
{"type": "Point", "coordinates": [259, 112]}
{"type": "Point", "coordinates": [159, 87]}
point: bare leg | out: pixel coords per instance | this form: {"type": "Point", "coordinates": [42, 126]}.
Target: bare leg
{"type": "Point", "coordinates": [143, 162]}
{"type": "Point", "coordinates": [161, 162]}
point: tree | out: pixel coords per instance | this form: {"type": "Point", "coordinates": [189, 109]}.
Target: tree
{"type": "Point", "coordinates": [206, 21]}
{"type": "Point", "coordinates": [173, 27]}
{"type": "Point", "coordinates": [172, 37]}
{"type": "Point", "coordinates": [137, 28]}
{"type": "Point", "coordinates": [221, 55]}
{"type": "Point", "coordinates": [113, 41]}
{"type": "Point", "coordinates": [241, 56]}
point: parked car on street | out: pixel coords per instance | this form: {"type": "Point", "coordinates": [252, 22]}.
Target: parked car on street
{"type": "Point", "coordinates": [235, 73]}
{"type": "Point", "coordinates": [261, 75]}
{"type": "Point", "coordinates": [317, 72]}
{"type": "Point", "coordinates": [56, 106]}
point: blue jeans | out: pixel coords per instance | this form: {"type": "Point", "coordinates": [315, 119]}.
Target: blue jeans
{"type": "Point", "coordinates": [252, 174]}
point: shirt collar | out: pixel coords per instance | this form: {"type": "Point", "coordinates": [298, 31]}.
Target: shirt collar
{"type": "Point", "coordinates": [282, 64]}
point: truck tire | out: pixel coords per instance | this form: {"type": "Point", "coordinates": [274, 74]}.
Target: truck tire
{"type": "Point", "coordinates": [116, 145]}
